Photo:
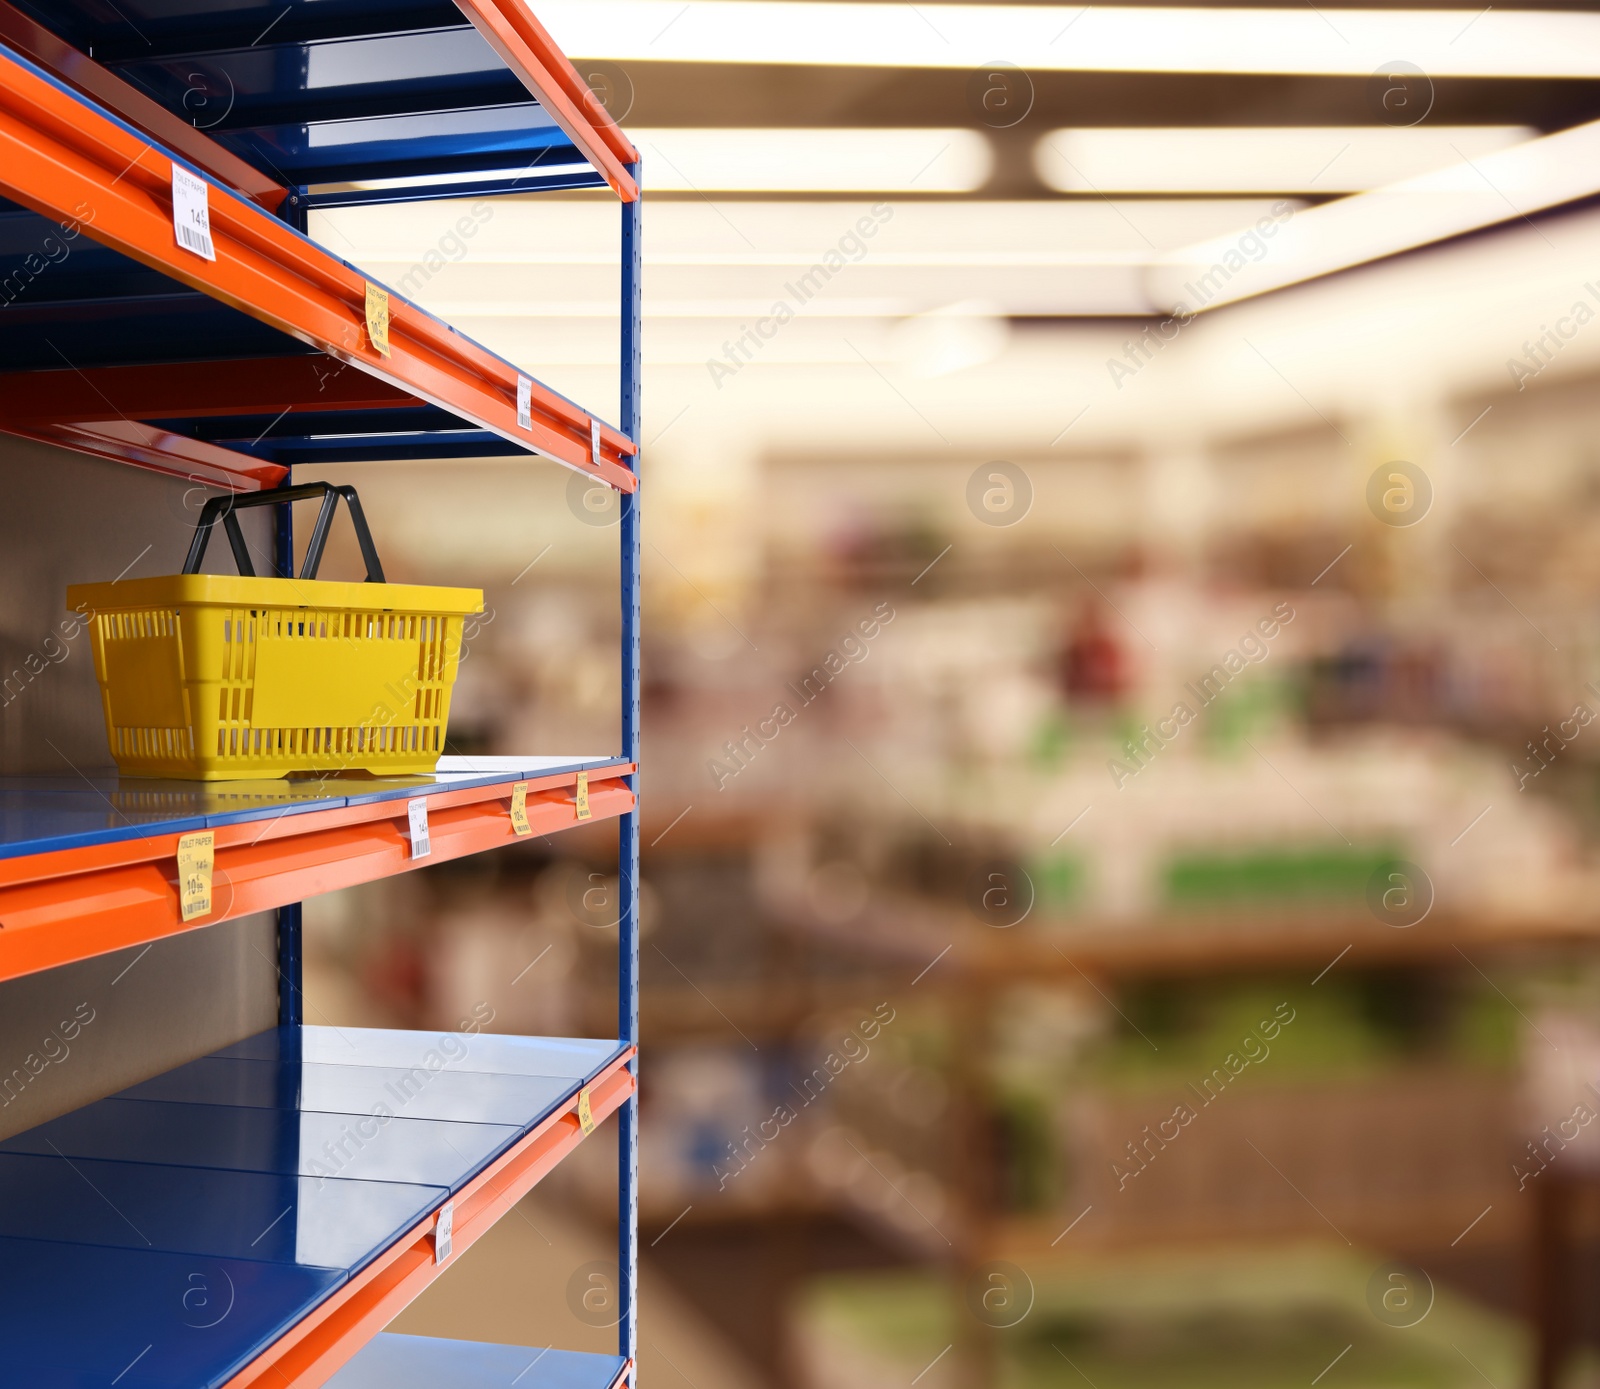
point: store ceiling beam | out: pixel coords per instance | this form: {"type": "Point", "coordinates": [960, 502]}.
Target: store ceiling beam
{"type": "Point", "coordinates": [87, 76]}
{"type": "Point", "coordinates": [743, 96]}
{"type": "Point", "coordinates": [1232, 39]}
{"type": "Point", "coordinates": [68, 161]}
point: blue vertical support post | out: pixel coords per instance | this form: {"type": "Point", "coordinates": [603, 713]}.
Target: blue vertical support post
{"type": "Point", "coordinates": [628, 835]}
{"type": "Point", "coordinates": [289, 957]}
{"type": "Point", "coordinates": [290, 969]}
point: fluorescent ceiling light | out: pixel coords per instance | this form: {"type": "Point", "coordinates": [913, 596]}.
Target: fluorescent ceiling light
{"type": "Point", "coordinates": [814, 161]}
{"type": "Point", "coordinates": [1054, 38]}
{"type": "Point", "coordinates": [1470, 195]}
{"type": "Point", "coordinates": [720, 234]}
{"type": "Point", "coordinates": [1249, 159]}
{"type": "Point", "coordinates": [951, 338]}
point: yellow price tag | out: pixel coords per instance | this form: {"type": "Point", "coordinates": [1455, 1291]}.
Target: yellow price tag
{"type": "Point", "coordinates": [585, 1114]}
{"type": "Point", "coordinates": [197, 856]}
{"type": "Point", "coordinates": [378, 318]}
{"type": "Point", "coordinates": [582, 798]}
{"type": "Point", "coordinates": [519, 808]}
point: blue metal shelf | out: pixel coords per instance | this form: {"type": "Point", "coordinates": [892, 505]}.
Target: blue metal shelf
{"type": "Point", "coordinates": [426, 1362]}
{"type": "Point", "coordinates": [291, 105]}
{"type": "Point", "coordinates": [41, 815]}
{"type": "Point", "coordinates": [328, 91]}
{"type": "Point", "coordinates": [247, 1186]}
{"type": "Point", "coordinates": [77, 1316]}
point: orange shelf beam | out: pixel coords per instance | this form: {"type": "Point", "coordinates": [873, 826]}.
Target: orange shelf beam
{"type": "Point", "coordinates": [309, 1355]}
{"type": "Point", "coordinates": [74, 904]}
{"type": "Point", "coordinates": [158, 450]}
{"type": "Point", "coordinates": [528, 50]}
{"type": "Point", "coordinates": [66, 160]}
{"type": "Point", "coordinates": [87, 76]}
{"type": "Point", "coordinates": [67, 407]}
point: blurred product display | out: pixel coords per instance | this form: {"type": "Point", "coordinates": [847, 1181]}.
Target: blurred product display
{"type": "Point", "coordinates": [1276, 975]}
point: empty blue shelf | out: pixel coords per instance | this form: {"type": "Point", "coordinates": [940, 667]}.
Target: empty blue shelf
{"type": "Point", "coordinates": [337, 1224]}
{"type": "Point", "coordinates": [41, 815]}
{"type": "Point", "coordinates": [427, 1362]}
{"type": "Point", "coordinates": [251, 1179]}
{"type": "Point", "coordinates": [361, 1091]}
{"type": "Point", "coordinates": [568, 1058]}
{"type": "Point", "coordinates": [77, 1316]}
{"type": "Point", "coordinates": [302, 1143]}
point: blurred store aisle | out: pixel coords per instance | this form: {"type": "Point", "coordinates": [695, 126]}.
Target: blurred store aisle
{"type": "Point", "coordinates": [517, 1286]}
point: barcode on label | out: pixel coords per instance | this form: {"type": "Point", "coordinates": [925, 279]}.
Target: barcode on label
{"type": "Point", "coordinates": [417, 817]}
{"type": "Point", "coordinates": [525, 402]}
{"type": "Point", "coordinates": [444, 1228]}
{"type": "Point", "coordinates": [197, 856]}
{"type": "Point", "coordinates": [191, 213]}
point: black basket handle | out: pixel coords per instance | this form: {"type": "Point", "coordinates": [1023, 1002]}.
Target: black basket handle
{"type": "Point", "coordinates": [222, 508]}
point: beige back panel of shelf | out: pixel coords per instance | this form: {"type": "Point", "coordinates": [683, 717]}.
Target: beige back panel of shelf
{"type": "Point", "coordinates": [76, 1034]}
{"type": "Point", "coordinates": [70, 519]}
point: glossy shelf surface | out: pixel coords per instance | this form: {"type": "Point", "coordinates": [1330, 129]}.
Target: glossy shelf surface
{"type": "Point", "coordinates": [201, 1214]}
{"type": "Point", "coordinates": [427, 1362]}
{"type": "Point", "coordinates": [45, 814]}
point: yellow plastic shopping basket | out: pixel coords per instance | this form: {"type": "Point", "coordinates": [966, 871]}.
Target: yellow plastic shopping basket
{"type": "Point", "coordinates": [218, 678]}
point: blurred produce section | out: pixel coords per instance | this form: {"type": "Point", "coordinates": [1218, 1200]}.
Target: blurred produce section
{"type": "Point", "coordinates": [1222, 1317]}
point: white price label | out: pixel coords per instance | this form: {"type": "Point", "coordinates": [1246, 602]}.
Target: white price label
{"type": "Point", "coordinates": [594, 441]}
{"type": "Point", "coordinates": [418, 811]}
{"type": "Point", "coordinates": [525, 402]}
{"type": "Point", "coordinates": [443, 1232]}
{"type": "Point", "coordinates": [191, 213]}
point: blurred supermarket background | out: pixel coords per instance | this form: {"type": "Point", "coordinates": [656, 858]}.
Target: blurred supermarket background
{"type": "Point", "coordinates": [1122, 812]}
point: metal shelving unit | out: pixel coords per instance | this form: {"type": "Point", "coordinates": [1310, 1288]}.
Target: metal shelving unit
{"type": "Point", "coordinates": [129, 342]}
